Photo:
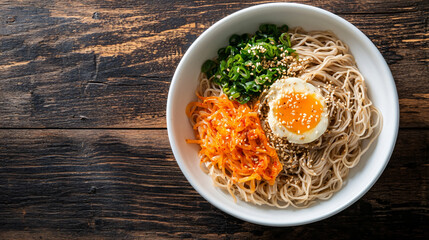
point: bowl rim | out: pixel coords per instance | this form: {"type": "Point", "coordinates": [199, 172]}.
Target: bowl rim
{"type": "Point", "coordinates": [172, 94]}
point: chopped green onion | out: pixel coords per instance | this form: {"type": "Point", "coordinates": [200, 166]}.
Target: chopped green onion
{"type": "Point", "coordinates": [241, 69]}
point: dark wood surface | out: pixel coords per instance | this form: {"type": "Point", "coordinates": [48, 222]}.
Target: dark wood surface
{"type": "Point", "coordinates": [83, 141]}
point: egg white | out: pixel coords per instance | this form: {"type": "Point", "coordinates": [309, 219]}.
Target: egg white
{"type": "Point", "coordinates": [296, 85]}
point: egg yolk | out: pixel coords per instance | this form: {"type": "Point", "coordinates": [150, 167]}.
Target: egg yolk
{"type": "Point", "coordinates": [298, 112]}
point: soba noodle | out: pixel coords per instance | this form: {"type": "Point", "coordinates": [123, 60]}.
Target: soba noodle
{"type": "Point", "coordinates": [318, 169]}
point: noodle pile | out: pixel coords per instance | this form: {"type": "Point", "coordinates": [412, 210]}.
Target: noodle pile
{"type": "Point", "coordinates": [318, 169]}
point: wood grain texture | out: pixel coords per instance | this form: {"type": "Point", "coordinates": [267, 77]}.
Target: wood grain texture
{"type": "Point", "coordinates": [116, 183]}
{"type": "Point", "coordinates": [84, 152]}
{"type": "Point", "coordinates": [104, 64]}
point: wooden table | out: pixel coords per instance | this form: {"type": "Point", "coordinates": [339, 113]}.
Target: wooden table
{"type": "Point", "coordinates": [83, 140]}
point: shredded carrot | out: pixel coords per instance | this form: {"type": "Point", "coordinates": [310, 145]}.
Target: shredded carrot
{"type": "Point", "coordinates": [231, 137]}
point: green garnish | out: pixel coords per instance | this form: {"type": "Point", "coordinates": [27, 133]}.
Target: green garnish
{"type": "Point", "coordinates": [250, 63]}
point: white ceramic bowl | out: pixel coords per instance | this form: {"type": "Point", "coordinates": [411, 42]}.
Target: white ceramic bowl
{"type": "Point", "coordinates": [380, 84]}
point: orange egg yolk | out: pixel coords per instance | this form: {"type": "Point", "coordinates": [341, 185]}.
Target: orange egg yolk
{"type": "Point", "coordinates": [298, 112]}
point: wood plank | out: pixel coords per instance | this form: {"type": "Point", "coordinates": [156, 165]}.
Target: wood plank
{"type": "Point", "coordinates": [102, 64]}
{"type": "Point", "coordinates": [97, 184]}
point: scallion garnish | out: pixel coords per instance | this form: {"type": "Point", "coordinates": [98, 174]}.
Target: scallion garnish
{"type": "Point", "coordinates": [250, 63]}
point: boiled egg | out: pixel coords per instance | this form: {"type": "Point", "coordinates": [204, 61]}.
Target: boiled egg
{"type": "Point", "coordinates": [297, 110]}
